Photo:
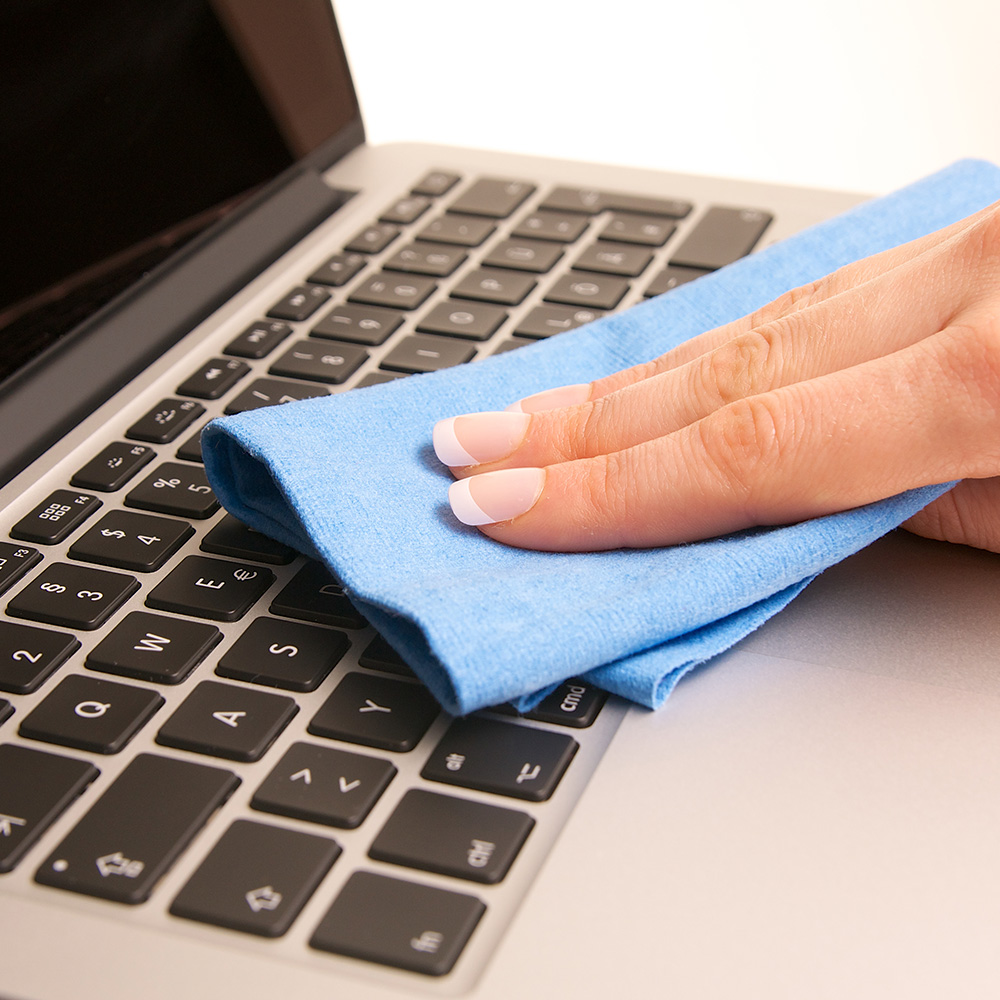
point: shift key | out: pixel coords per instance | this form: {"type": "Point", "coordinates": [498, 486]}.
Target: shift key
{"type": "Point", "coordinates": [135, 832]}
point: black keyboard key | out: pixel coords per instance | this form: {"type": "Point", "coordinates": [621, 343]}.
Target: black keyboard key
{"type": "Point", "coordinates": [449, 836]}
{"type": "Point", "coordinates": [190, 450]}
{"type": "Point", "coordinates": [172, 488]}
{"type": "Point", "coordinates": [614, 258]}
{"type": "Point", "coordinates": [273, 392]}
{"type": "Point", "coordinates": [436, 183]}
{"type": "Point", "coordinates": [393, 290]}
{"type": "Point", "coordinates": [73, 596]}
{"type": "Point", "coordinates": [406, 210]}
{"type": "Point", "coordinates": [378, 378]}
{"type": "Point", "coordinates": [492, 197]}
{"type": "Point", "coordinates": [166, 421]}
{"type": "Point", "coordinates": [113, 467]}
{"type": "Point", "coordinates": [511, 344]}
{"type": "Point", "coordinates": [153, 648]}
{"type": "Point", "coordinates": [643, 230]}
{"type": "Point", "coordinates": [256, 879]}
{"type": "Point", "coordinates": [282, 654]}
{"type": "Point", "coordinates": [15, 561]}
{"type": "Point", "coordinates": [227, 721]}
{"type": "Point", "coordinates": [379, 655]}
{"type": "Point", "coordinates": [374, 239]}
{"type": "Point", "coordinates": [315, 595]}
{"type": "Point", "coordinates": [89, 713]}
{"type": "Point", "coordinates": [259, 340]}
{"type": "Point", "coordinates": [471, 320]}
{"type": "Point", "coordinates": [544, 321]}
{"type": "Point", "coordinates": [401, 924]}
{"type": "Point", "coordinates": [574, 703]}
{"type": "Point", "coordinates": [590, 202]}
{"type": "Point", "coordinates": [459, 230]}
{"type": "Point", "coordinates": [434, 259]}
{"type": "Point", "coordinates": [376, 712]}
{"type": "Point", "coordinates": [721, 236]}
{"type": "Point", "coordinates": [29, 655]}
{"type": "Point", "coordinates": [138, 828]}
{"type": "Point", "coordinates": [359, 324]}
{"type": "Point", "coordinates": [596, 291]}
{"type": "Point", "coordinates": [35, 789]}
{"type": "Point", "coordinates": [339, 269]}
{"type": "Point", "coordinates": [532, 255]}
{"type": "Point", "coordinates": [501, 757]}
{"type": "Point", "coordinates": [139, 542]}
{"type": "Point", "coordinates": [232, 538]}
{"type": "Point", "coordinates": [300, 303]}
{"type": "Point", "coordinates": [210, 588]}
{"type": "Point", "coordinates": [506, 288]}
{"type": "Point", "coordinates": [422, 353]}
{"type": "Point", "coordinates": [324, 785]}
{"type": "Point", "coordinates": [670, 277]}
{"type": "Point", "coordinates": [320, 361]}
{"type": "Point", "coordinates": [214, 379]}
{"type": "Point", "coordinates": [56, 517]}
{"type": "Point", "coordinates": [6, 711]}
{"type": "Point", "coordinates": [559, 227]}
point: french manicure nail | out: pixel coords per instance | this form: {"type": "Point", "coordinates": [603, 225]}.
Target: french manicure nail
{"type": "Point", "coordinates": [552, 399]}
{"type": "Point", "coordinates": [475, 438]}
{"type": "Point", "coordinates": [496, 496]}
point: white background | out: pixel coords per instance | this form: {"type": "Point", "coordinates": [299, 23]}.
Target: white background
{"type": "Point", "coordinates": [861, 95]}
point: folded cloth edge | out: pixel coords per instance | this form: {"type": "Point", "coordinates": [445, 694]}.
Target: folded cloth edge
{"type": "Point", "coordinates": [260, 501]}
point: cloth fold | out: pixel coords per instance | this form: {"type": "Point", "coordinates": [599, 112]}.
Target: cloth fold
{"type": "Point", "coordinates": [351, 479]}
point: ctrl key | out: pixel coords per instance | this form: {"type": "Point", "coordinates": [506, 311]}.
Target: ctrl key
{"type": "Point", "coordinates": [403, 924]}
{"type": "Point", "coordinates": [135, 832]}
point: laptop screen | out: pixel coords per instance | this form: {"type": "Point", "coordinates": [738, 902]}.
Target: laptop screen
{"type": "Point", "coordinates": [129, 127]}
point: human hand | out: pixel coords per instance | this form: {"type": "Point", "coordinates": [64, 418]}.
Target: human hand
{"type": "Point", "coordinates": [878, 378]}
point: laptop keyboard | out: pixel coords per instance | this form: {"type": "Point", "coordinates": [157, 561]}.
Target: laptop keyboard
{"type": "Point", "coordinates": [293, 770]}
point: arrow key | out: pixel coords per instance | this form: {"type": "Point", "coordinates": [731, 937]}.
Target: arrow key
{"type": "Point", "coordinates": [256, 879]}
{"type": "Point", "coordinates": [324, 785]}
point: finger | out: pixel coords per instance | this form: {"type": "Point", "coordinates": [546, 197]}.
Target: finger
{"type": "Point", "coordinates": [924, 415]}
{"type": "Point", "coordinates": [969, 514]}
{"type": "Point", "coordinates": [881, 316]}
{"type": "Point", "coordinates": [785, 305]}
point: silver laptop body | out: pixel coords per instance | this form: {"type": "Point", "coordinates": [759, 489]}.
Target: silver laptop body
{"type": "Point", "coordinates": [811, 815]}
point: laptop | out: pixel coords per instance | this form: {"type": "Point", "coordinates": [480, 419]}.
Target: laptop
{"type": "Point", "coordinates": [254, 797]}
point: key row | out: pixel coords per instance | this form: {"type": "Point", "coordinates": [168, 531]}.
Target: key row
{"type": "Point", "coordinates": [257, 877]}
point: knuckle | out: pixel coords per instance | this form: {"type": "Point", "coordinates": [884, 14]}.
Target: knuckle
{"type": "Point", "coordinates": [791, 301]}
{"type": "Point", "coordinates": [743, 445]}
{"type": "Point", "coordinates": [581, 432]}
{"type": "Point", "coordinates": [742, 367]}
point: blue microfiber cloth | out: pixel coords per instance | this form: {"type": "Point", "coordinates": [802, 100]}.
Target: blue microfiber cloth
{"type": "Point", "coordinates": [351, 479]}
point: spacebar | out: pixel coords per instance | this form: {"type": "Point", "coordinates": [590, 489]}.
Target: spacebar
{"type": "Point", "coordinates": [137, 829]}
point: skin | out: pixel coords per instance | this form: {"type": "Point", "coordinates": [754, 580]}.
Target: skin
{"type": "Point", "coordinates": [880, 377]}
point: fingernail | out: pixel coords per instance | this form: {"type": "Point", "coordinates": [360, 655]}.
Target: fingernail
{"type": "Point", "coordinates": [474, 438]}
{"type": "Point", "coordinates": [496, 496]}
{"type": "Point", "coordinates": [552, 399]}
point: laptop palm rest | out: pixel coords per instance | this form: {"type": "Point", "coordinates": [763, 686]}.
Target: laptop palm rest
{"type": "Point", "coordinates": [905, 607]}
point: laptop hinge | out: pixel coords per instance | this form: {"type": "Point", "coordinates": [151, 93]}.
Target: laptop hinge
{"type": "Point", "coordinates": [87, 367]}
